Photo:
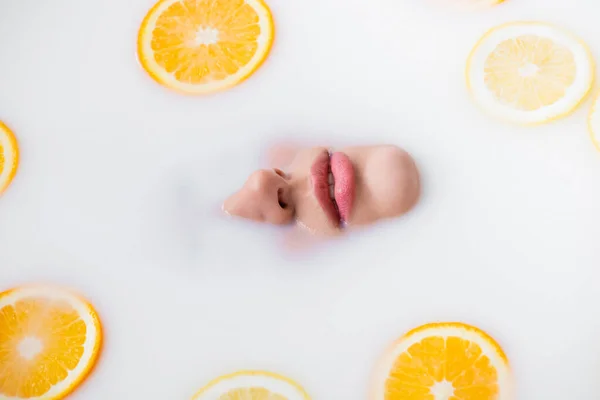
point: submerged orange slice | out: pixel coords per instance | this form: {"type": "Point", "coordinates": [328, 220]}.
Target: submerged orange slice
{"type": "Point", "coordinates": [444, 361]}
{"type": "Point", "coordinates": [204, 46]}
{"type": "Point", "coordinates": [252, 385]}
{"type": "Point", "coordinates": [49, 341]}
{"type": "Point", "coordinates": [9, 157]}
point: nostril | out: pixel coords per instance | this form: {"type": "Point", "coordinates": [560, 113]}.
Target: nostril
{"type": "Point", "coordinates": [280, 173]}
{"type": "Point", "coordinates": [282, 202]}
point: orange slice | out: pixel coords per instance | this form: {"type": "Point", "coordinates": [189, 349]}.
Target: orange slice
{"type": "Point", "coordinates": [204, 46]}
{"type": "Point", "coordinates": [252, 385]}
{"type": "Point", "coordinates": [9, 157]}
{"type": "Point", "coordinates": [444, 361]}
{"type": "Point", "coordinates": [49, 341]}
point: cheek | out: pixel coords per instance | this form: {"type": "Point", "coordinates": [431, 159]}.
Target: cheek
{"type": "Point", "coordinates": [310, 215]}
{"type": "Point", "coordinates": [412, 192]}
{"type": "Point", "coordinates": [304, 160]}
{"type": "Point", "coordinates": [366, 210]}
{"type": "Point", "coordinates": [300, 164]}
{"type": "Point", "coordinates": [394, 188]}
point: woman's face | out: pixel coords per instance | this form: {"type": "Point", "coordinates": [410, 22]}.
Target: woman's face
{"type": "Point", "coordinates": [327, 192]}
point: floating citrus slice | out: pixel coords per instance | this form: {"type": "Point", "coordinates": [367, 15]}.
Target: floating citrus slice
{"type": "Point", "coordinates": [478, 3]}
{"type": "Point", "coordinates": [252, 385]}
{"type": "Point", "coordinates": [594, 122]}
{"type": "Point", "coordinates": [204, 46]}
{"type": "Point", "coordinates": [529, 72]}
{"type": "Point", "coordinates": [49, 341]}
{"type": "Point", "coordinates": [9, 157]}
{"type": "Point", "coordinates": [449, 361]}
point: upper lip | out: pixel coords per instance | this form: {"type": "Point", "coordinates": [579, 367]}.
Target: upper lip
{"type": "Point", "coordinates": [319, 173]}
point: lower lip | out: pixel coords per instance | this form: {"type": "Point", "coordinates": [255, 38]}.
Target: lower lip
{"type": "Point", "coordinates": [343, 174]}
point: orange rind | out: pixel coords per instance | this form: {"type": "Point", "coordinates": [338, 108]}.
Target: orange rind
{"type": "Point", "coordinates": [9, 157]}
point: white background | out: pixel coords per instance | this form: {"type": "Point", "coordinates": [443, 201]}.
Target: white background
{"type": "Point", "coordinates": [120, 184]}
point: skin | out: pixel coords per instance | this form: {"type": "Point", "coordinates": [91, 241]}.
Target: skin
{"type": "Point", "coordinates": [387, 186]}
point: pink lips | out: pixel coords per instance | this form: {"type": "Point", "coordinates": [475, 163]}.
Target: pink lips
{"type": "Point", "coordinates": [343, 174]}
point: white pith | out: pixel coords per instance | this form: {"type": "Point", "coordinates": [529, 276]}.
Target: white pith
{"type": "Point", "coordinates": [29, 347]}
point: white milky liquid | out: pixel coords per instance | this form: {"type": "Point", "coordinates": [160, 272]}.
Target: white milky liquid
{"type": "Point", "coordinates": [121, 181]}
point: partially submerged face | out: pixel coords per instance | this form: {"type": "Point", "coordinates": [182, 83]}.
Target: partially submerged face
{"type": "Point", "coordinates": [327, 192]}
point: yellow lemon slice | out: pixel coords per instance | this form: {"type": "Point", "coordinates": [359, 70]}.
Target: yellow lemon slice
{"type": "Point", "coordinates": [529, 72]}
{"type": "Point", "coordinates": [252, 385]}
{"type": "Point", "coordinates": [204, 46]}
{"type": "Point", "coordinates": [49, 341]}
{"type": "Point", "coordinates": [594, 122]}
{"type": "Point", "coordinates": [444, 361]}
{"type": "Point", "coordinates": [9, 157]}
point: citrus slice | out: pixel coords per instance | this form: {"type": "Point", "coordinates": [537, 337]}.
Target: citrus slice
{"type": "Point", "coordinates": [468, 5]}
{"type": "Point", "coordinates": [594, 122]}
{"type": "Point", "coordinates": [49, 341]}
{"type": "Point", "coordinates": [252, 385]}
{"type": "Point", "coordinates": [529, 72]}
{"type": "Point", "coordinates": [9, 157]}
{"type": "Point", "coordinates": [479, 3]}
{"type": "Point", "coordinates": [204, 46]}
{"type": "Point", "coordinates": [449, 361]}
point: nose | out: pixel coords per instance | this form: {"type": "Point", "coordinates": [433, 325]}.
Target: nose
{"type": "Point", "coordinates": [265, 197]}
